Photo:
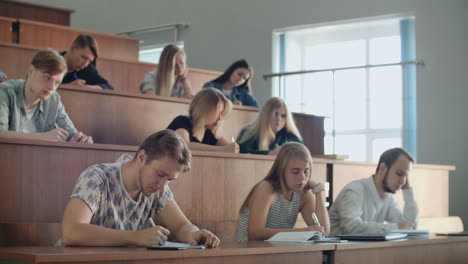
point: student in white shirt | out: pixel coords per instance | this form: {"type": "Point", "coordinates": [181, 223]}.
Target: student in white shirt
{"type": "Point", "coordinates": [369, 206]}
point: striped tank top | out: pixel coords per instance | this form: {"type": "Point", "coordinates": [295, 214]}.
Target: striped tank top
{"type": "Point", "coordinates": [282, 214]}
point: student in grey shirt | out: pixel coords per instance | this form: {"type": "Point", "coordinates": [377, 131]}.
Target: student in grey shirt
{"type": "Point", "coordinates": [369, 206]}
{"type": "Point", "coordinates": [32, 109]}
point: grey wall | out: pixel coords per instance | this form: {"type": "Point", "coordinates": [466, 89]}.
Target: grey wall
{"type": "Point", "coordinates": [223, 31]}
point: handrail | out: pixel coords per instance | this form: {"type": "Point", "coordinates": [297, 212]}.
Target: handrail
{"type": "Point", "coordinates": [176, 28]}
{"type": "Point", "coordinates": [280, 74]}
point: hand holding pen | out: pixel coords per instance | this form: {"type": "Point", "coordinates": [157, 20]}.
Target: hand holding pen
{"type": "Point", "coordinates": [155, 235]}
{"type": "Point", "coordinates": [77, 81]}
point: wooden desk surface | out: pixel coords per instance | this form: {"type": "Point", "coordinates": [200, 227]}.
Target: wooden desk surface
{"type": "Point", "coordinates": [239, 251]}
{"type": "Point", "coordinates": [413, 250]}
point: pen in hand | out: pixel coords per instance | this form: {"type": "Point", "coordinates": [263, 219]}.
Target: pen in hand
{"type": "Point", "coordinates": [315, 219]}
{"type": "Point", "coordinates": [152, 222]}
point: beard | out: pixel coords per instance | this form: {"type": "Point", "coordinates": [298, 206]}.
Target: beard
{"type": "Point", "coordinates": [385, 184]}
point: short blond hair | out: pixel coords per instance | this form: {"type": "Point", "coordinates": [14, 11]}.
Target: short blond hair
{"type": "Point", "coordinates": [49, 61]}
{"type": "Point", "coordinates": [167, 143]}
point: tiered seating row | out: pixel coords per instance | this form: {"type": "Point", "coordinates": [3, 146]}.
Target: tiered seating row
{"type": "Point", "coordinates": [123, 75]}
{"type": "Point", "coordinates": [39, 176]}
{"type": "Point", "coordinates": [16, 9]}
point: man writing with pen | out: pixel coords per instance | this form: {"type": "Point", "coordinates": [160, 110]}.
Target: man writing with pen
{"type": "Point", "coordinates": [32, 109]}
{"type": "Point", "coordinates": [81, 62]}
{"type": "Point", "coordinates": [369, 206]}
{"type": "Point", "coordinates": [114, 204]}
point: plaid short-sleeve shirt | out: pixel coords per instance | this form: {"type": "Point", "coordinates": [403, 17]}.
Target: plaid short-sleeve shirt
{"type": "Point", "coordinates": [101, 187]}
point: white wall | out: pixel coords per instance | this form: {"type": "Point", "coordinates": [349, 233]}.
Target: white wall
{"type": "Point", "coordinates": [224, 31]}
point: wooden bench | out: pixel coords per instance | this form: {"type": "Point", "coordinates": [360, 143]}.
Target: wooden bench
{"type": "Point", "coordinates": [6, 30]}
{"type": "Point", "coordinates": [46, 35]}
{"type": "Point", "coordinates": [16, 9]}
{"type": "Point", "coordinates": [123, 75]}
{"type": "Point", "coordinates": [430, 184]}
{"type": "Point", "coordinates": [228, 252]}
{"type": "Point", "coordinates": [449, 224]}
{"type": "Point", "coordinates": [125, 118]}
{"type": "Point", "coordinates": [39, 176]}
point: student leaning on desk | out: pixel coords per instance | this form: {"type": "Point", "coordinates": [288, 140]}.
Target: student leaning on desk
{"type": "Point", "coordinates": [112, 203]}
{"type": "Point", "coordinates": [32, 109]}
{"type": "Point", "coordinates": [369, 206]}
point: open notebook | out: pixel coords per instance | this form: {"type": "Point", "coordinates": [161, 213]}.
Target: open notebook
{"type": "Point", "coordinates": [175, 246]}
{"type": "Point", "coordinates": [304, 236]}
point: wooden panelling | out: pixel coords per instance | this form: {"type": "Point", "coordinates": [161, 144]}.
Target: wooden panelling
{"type": "Point", "coordinates": [450, 224]}
{"type": "Point", "coordinates": [436, 250]}
{"type": "Point", "coordinates": [131, 118]}
{"type": "Point", "coordinates": [127, 75]}
{"type": "Point", "coordinates": [15, 9]}
{"type": "Point", "coordinates": [29, 234]}
{"type": "Point", "coordinates": [123, 75]}
{"type": "Point", "coordinates": [229, 253]}
{"type": "Point", "coordinates": [6, 33]}
{"type": "Point", "coordinates": [210, 194]}
{"type": "Point", "coordinates": [312, 131]}
{"type": "Point", "coordinates": [47, 35]}
{"type": "Point", "coordinates": [430, 184]}
{"type": "Point", "coordinates": [127, 119]}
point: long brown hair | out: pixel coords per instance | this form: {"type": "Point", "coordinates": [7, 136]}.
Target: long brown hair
{"type": "Point", "coordinates": [276, 175]}
{"type": "Point", "coordinates": [166, 69]}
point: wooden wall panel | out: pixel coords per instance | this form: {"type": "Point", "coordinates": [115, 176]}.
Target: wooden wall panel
{"type": "Point", "coordinates": [116, 118]}
{"type": "Point", "coordinates": [6, 33]}
{"type": "Point", "coordinates": [131, 118]}
{"type": "Point", "coordinates": [15, 9]}
{"type": "Point", "coordinates": [430, 183]}
{"type": "Point", "coordinates": [47, 35]}
{"type": "Point", "coordinates": [210, 194]}
{"type": "Point", "coordinates": [123, 75]}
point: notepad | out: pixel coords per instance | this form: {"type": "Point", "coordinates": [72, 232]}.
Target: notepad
{"type": "Point", "coordinates": [303, 236]}
{"type": "Point", "coordinates": [331, 240]}
{"type": "Point", "coordinates": [412, 232]}
{"type": "Point", "coordinates": [452, 234]}
{"type": "Point", "coordinates": [373, 237]}
{"type": "Point", "coordinates": [175, 246]}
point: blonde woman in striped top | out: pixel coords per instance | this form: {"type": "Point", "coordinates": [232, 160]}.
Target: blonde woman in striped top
{"type": "Point", "coordinates": [273, 204]}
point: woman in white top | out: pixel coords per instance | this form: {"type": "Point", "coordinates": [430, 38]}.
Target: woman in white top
{"type": "Point", "coordinates": [170, 78]}
{"type": "Point", "coordinates": [273, 204]}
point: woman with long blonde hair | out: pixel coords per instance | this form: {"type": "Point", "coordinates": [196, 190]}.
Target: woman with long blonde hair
{"type": "Point", "coordinates": [202, 129]}
{"type": "Point", "coordinates": [273, 127]}
{"type": "Point", "coordinates": [170, 78]}
{"type": "Point", "coordinates": [273, 204]}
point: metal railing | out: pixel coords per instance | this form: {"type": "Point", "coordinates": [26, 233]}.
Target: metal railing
{"type": "Point", "coordinates": [175, 27]}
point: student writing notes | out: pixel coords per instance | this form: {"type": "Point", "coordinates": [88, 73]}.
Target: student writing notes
{"type": "Point", "coordinates": [32, 108]}
{"type": "Point", "coordinates": [273, 127]}
{"type": "Point", "coordinates": [234, 83]}
{"type": "Point", "coordinates": [369, 206]}
{"type": "Point", "coordinates": [170, 78]}
{"type": "Point", "coordinates": [112, 203]}
{"type": "Point", "coordinates": [202, 129]}
{"type": "Point", "coordinates": [81, 62]}
{"type": "Point", "coordinates": [273, 204]}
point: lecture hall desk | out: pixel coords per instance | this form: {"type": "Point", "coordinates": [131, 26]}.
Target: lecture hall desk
{"type": "Point", "coordinates": [228, 252]}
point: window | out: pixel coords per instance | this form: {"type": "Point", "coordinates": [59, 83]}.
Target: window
{"type": "Point", "coordinates": [152, 53]}
{"type": "Point", "coordinates": [368, 109]}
